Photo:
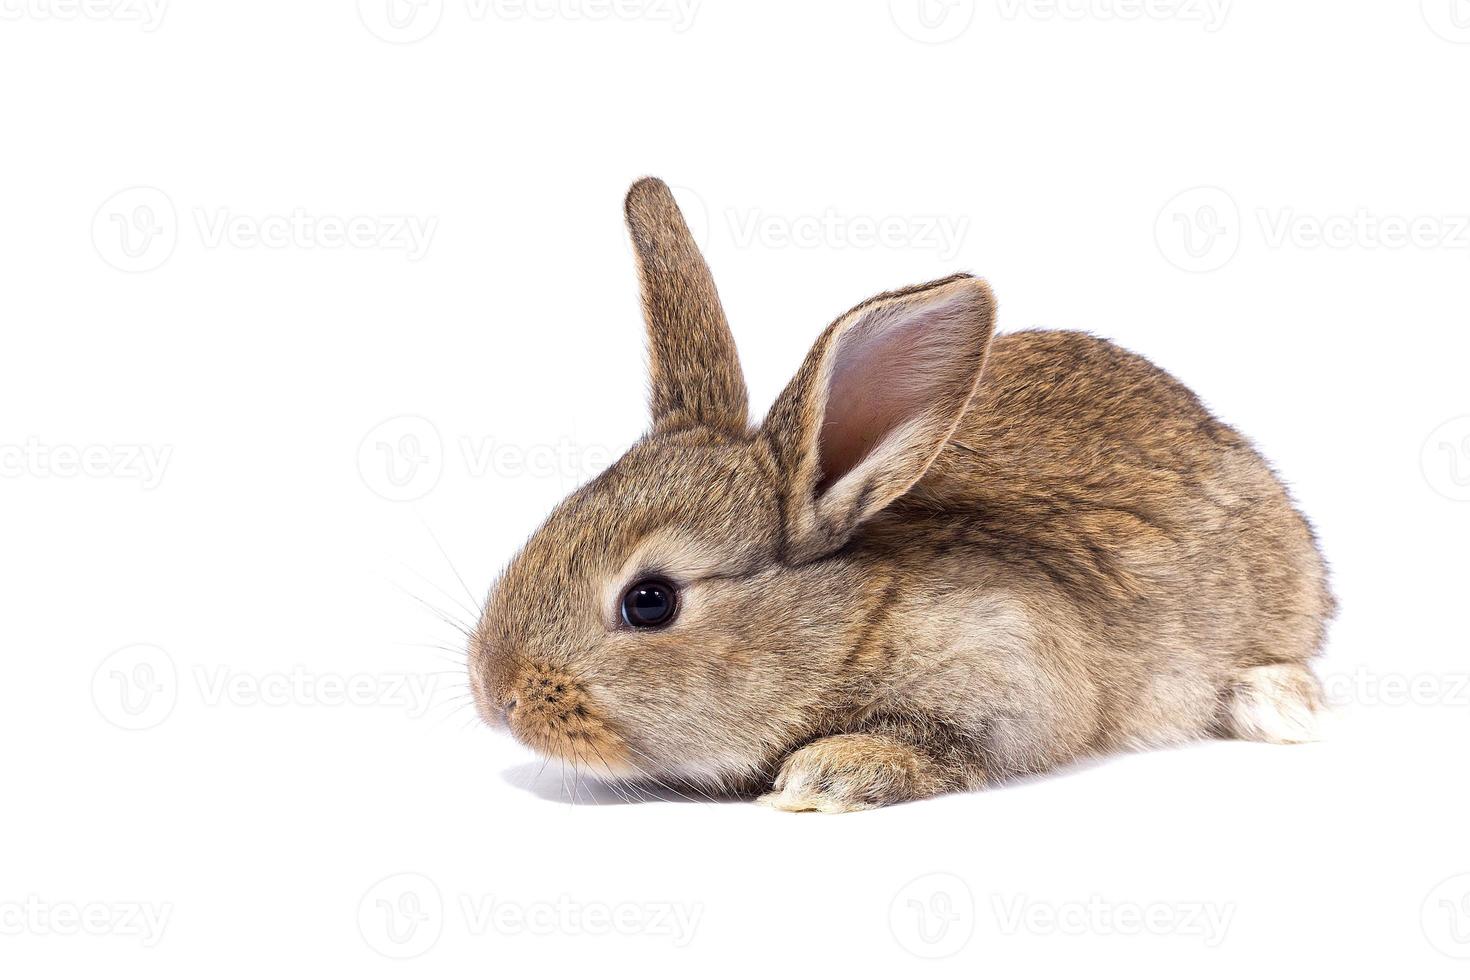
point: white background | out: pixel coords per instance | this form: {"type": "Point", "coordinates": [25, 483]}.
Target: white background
{"type": "Point", "coordinates": [279, 734]}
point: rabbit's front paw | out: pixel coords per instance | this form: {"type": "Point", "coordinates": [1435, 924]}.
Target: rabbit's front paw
{"type": "Point", "coordinates": [842, 773]}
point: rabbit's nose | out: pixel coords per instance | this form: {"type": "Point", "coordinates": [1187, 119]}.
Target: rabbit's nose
{"type": "Point", "coordinates": [500, 712]}
{"type": "Point", "coordinates": [492, 685]}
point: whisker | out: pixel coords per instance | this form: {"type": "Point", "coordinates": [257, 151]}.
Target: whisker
{"type": "Point", "coordinates": [611, 784]}
{"type": "Point", "coordinates": [438, 613]}
{"type": "Point", "coordinates": [468, 610]}
{"type": "Point", "coordinates": [454, 710]}
{"type": "Point", "coordinates": [666, 786]}
{"type": "Point", "coordinates": [448, 561]}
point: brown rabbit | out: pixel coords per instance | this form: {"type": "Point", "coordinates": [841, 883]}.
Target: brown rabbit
{"type": "Point", "coordinates": [939, 561]}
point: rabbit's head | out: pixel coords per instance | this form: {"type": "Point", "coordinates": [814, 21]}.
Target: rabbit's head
{"type": "Point", "coordinates": [693, 610]}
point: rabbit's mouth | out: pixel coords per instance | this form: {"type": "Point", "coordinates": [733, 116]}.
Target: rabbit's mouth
{"type": "Point", "coordinates": [552, 713]}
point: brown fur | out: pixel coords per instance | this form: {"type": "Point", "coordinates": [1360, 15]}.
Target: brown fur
{"type": "Point", "coordinates": [940, 560]}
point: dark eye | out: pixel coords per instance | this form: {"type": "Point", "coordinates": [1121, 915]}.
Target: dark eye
{"type": "Point", "coordinates": [650, 604]}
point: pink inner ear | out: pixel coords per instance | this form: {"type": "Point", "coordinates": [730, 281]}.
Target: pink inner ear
{"type": "Point", "coordinates": [889, 368]}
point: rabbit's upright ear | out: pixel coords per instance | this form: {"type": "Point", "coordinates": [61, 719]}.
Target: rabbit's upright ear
{"type": "Point", "coordinates": [695, 376]}
{"type": "Point", "coordinates": [881, 392]}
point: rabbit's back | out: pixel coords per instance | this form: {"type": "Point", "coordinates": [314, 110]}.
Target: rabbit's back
{"type": "Point", "coordinates": [1092, 472]}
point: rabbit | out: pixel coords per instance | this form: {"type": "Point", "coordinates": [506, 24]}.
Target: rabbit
{"type": "Point", "coordinates": [944, 559]}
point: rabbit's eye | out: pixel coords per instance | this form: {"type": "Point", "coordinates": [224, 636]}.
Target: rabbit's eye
{"type": "Point", "coordinates": [650, 604]}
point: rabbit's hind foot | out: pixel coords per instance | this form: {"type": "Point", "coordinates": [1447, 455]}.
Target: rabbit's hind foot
{"type": "Point", "coordinates": [1279, 703]}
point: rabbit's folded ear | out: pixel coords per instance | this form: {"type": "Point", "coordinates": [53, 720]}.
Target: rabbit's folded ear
{"type": "Point", "coordinates": [875, 401]}
{"type": "Point", "coordinates": [694, 372]}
